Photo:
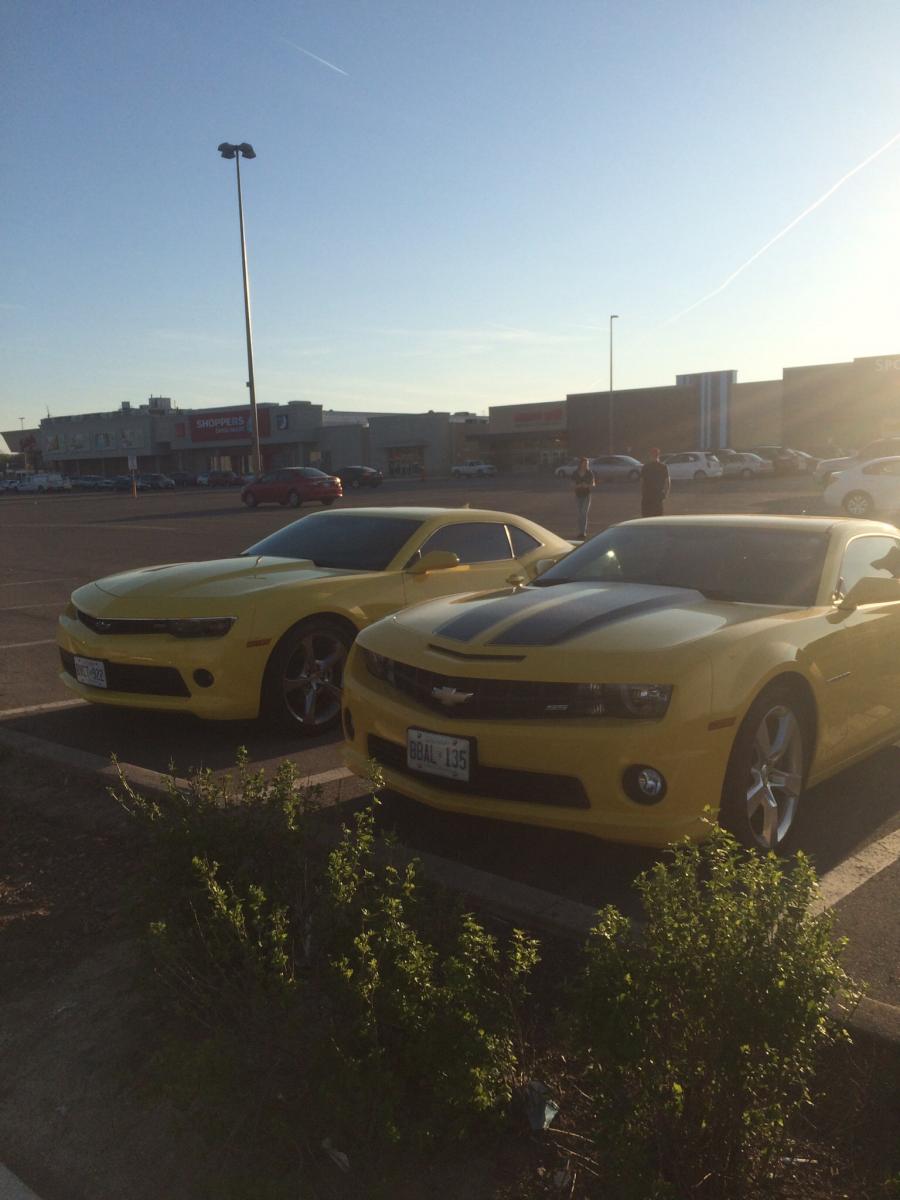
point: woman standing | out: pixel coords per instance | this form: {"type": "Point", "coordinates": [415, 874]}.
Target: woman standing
{"type": "Point", "coordinates": [584, 483]}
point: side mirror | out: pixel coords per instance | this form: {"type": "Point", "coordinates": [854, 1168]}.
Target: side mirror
{"type": "Point", "coordinates": [434, 560]}
{"type": "Point", "coordinates": [517, 580]}
{"type": "Point", "coordinates": [542, 565]}
{"type": "Point", "coordinates": [871, 590]}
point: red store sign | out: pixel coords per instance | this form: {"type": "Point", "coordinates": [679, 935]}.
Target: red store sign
{"type": "Point", "coordinates": [230, 425]}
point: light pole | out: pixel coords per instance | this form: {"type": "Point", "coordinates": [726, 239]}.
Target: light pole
{"type": "Point", "coordinates": [612, 440]}
{"type": "Point", "coordinates": [227, 150]}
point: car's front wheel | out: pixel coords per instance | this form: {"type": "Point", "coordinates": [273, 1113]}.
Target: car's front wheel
{"type": "Point", "coordinates": [634, 475]}
{"type": "Point", "coordinates": [250, 500]}
{"type": "Point", "coordinates": [293, 500]}
{"type": "Point", "coordinates": [747, 473]}
{"type": "Point", "coordinates": [766, 771]}
{"type": "Point", "coordinates": [858, 504]}
{"type": "Point", "coordinates": [699, 474]}
{"type": "Point", "coordinates": [301, 689]}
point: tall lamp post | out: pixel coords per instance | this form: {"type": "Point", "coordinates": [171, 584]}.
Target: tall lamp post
{"type": "Point", "coordinates": [227, 150]}
{"type": "Point", "coordinates": [612, 439]}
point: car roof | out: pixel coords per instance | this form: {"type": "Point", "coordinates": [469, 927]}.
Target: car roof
{"type": "Point", "coordinates": [768, 521]}
{"type": "Point", "coordinates": [423, 513]}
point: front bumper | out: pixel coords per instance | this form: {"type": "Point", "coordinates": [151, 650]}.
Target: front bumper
{"type": "Point", "coordinates": [564, 773]}
{"type": "Point", "coordinates": [156, 671]}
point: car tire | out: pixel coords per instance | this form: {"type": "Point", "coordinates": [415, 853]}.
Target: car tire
{"type": "Point", "coordinates": [634, 475]}
{"type": "Point", "coordinates": [293, 500]}
{"type": "Point", "coordinates": [354, 483]}
{"type": "Point", "coordinates": [250, 500]}
{"type": "Point", "coordinates": [771, 744]}
{"type": "Point", "coordinates": [699, 474]}
{"type": "Point", "coordinates": [746, 473]}
{"type": "Point", "coordinates": [301, 691]}
{"type": "Point", "coordinates": [858, 504]}
{"type": "Point", "coordinates": [326, 503]}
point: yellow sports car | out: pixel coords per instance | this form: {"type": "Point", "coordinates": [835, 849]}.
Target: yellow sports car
{"type": "Point", "coordinates": [269, 630]}
{"type": "Point", "coordinates": [667, 666]}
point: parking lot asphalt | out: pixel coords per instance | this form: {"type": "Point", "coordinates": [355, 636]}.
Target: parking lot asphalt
{"type": "Point", "coordinates": [49, 545]}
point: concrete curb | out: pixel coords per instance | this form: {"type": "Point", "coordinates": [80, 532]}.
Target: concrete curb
{"type": "Point", "coordinates": [531, 906]}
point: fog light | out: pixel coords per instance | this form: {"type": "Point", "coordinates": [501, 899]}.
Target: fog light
{"type": "Point", "coordinates": [204, 678]}
{"type": "Point", "coordinates": [644, 785]}
{"type": "Point", "coordinates": [349, 727]}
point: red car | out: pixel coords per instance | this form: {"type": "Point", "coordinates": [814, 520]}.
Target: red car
{"type": "Point", "coordinates": [292, 485]}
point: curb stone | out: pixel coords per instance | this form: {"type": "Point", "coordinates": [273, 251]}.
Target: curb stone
{"type": "Point", "coordinates": [504, 897]}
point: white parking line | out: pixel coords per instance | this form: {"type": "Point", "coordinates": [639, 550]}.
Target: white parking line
{"type": "Point", "coordinates": [38, 708]}
{"type": "Point", "coordinates": [43, 604]}
{"type": "Point", "coordinates": [853, 872]}
{"type": "Point", "coordinates": [31, 582]}
{"type": "Point", "coordinates": [22, 645]}
{"type": "Point", "coordinates": [325, 777]}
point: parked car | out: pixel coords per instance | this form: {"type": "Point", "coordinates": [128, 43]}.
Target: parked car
{"type": "Point", "coordinates": [866, 488]}
{"type": "Point", "coordinates": [183, 478]}
{"type": "Point", "coordinates": [827, 468]}
{"type": "Point", "coordinates": [472, 467]}
{"type": "Point", "coordinates": [219, 479]}
{"type": "Point", "coordinates": [784, 460]}
{"type": "Point", "coordinates": [123, 483]}
{"type": "Point", "coordinates": [269, 629]}
{"type": "Point", "coordinates": [743, 464]}
{"type": "Point", "coordinates": [45, 481]}
{"type": "Point", "coordinates": [154, 482]}
{"type": "Point", "coordinates": [357, 477]}
{"type": "Point", "coordinates": [292, 485]}
{"type": "Point", "coordinates": [693, 464]}
{"type": "Point", "coordinates": [605, 467]}
{"type": "Point", "coordinates": [662, 670]}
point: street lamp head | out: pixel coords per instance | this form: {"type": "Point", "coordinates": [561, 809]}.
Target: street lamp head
{"type": "Point", "coordinates": [614, 316]}
{"type": "Point", "coordinates": [227, 150]}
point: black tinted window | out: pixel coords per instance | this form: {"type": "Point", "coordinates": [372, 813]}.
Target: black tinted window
{"type": "Point", "coordinates": [474, 542]}
{"type": "Point", "coordinates": [755, 566]}
{"type": "Point", "coordinates": [522, 542]}
{"type": "Point", "coordinates": [349, 542]}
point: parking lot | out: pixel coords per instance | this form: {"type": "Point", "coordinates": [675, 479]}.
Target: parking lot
{"type": "Point", "coordinates": [51, 544]}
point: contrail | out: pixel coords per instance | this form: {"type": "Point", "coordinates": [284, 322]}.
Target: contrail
{"type": "Point", "coordinates": [787, 229]}
{"type": "Point", "coordinates": [309, 54]}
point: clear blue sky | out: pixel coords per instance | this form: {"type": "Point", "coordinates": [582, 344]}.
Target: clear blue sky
{"type": "Point", "coordinates": [445, 215]}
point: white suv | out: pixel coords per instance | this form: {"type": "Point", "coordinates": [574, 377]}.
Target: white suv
{"type": "Point", "coordinates": [473, 466]}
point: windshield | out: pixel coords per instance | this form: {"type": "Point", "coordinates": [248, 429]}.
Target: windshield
{"type": "Point", "coordinates": [726, 562]}
{"type": "Point", "coordinates": [344, 541]}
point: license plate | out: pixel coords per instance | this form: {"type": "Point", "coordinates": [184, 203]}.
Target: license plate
{"type": "Point", "coordinates": [91, 671]}
{"type": "Point", "coordinates": [438, 754]}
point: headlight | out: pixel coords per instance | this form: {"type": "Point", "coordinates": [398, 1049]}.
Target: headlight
{"type": "Point", "coordinates": [637, 699]}
{"type": "Point", "coordinates": [200, 627]}
{"type": "Point", "coordinates": [379, 666]}
{"type": "Point", "coordinates": [641, 700]}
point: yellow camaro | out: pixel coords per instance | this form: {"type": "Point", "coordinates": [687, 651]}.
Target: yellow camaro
{"type": "Point", "coordinates": [268, 631]}
{"type": "Point", "coordinates": [666, 667]}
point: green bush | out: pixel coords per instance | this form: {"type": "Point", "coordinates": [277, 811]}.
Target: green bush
{"type": "Point", "coordinates": [698, 1035]}
{"type": "Point", "coordinates": [349, 994]}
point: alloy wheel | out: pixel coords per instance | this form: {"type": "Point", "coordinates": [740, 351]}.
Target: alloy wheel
{"type": "Point", "coordinates": [776, 777]}
{"type": "Point", "coordinates": [312, 676]}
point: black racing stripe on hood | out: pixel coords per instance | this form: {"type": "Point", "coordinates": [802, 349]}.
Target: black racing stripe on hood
{"type": "Point", "coordinates": [601, 606]}
{"type": "Point", "coordinates": [484, 613]}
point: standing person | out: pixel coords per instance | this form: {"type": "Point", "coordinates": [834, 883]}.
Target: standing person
{"type": "Point", "coordinates": [583, 481]}
{"type": "Point", "coordinates": [654, 485]}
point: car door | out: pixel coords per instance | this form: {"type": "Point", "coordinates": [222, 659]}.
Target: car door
{"type": "Point", "coordinates": [485, 561]}
{"type": "Point", "coordinates": [882, 480]}
{"type": "Point", "coordinates": [872, 643]}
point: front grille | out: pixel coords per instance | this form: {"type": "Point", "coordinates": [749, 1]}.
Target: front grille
{"type": "Point", "coordinates": [101, 625]}
{"type": "Point", "coordinates": [495, 783]}
{"type": "Point", "coordinates": [141, 680]}
{"type": "Point", "coordinates": [487, 699]}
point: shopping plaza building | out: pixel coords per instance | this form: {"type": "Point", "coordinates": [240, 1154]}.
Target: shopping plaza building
{"type": "Point", "coordinates": [822, 409]}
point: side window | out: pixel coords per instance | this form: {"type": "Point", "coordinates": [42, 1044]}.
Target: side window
{"type": "Point", "coordinates": [870, 557]}
{"type": "Point", "coordinates": [522, 542]}
{"type": "Point", "coordinates": [270, 477]}
{"type": "Point", "coordinates": [474, 542]}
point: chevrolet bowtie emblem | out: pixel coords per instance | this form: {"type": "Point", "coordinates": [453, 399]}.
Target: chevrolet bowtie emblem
{"type": "Point", "coordinates": [450, 696]}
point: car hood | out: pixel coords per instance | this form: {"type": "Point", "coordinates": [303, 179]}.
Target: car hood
{"type": "Point", "coordinates": [836, 464]}
{"type": "Point", "coordinates": [219, 579]}
{"type": "Point", "coordinates": [575, 622]}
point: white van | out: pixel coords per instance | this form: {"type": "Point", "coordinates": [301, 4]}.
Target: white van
{"type": "Point", "coordinates": [46, 481]}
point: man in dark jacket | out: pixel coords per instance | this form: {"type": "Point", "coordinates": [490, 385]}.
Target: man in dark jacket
{"type": "Point", "coordinates": [654, 485]}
